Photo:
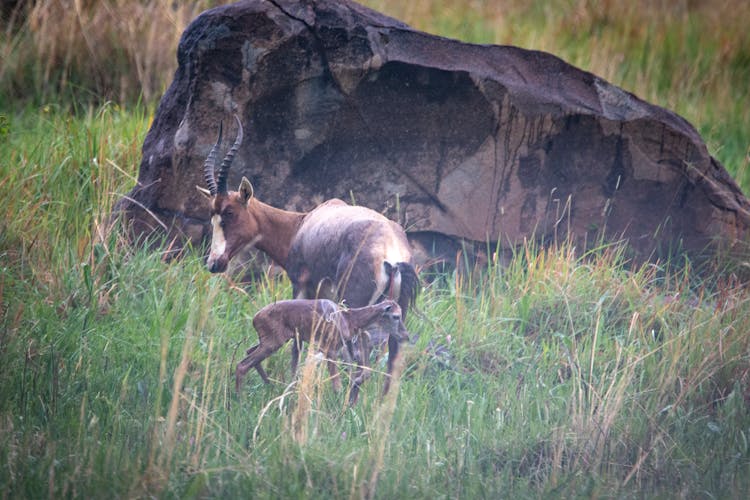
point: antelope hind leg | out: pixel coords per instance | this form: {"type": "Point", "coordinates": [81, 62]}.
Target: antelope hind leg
{"type": "Point", "coordinates": [252, 360]}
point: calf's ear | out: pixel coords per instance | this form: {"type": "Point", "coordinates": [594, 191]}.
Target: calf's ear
{"type": "Point", "coordinates": [246, 190]}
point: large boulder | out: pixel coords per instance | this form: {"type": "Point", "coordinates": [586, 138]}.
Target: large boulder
{"type": "Point", "coordinates": [456, 141]}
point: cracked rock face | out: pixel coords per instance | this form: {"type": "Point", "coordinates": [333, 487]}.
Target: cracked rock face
{"type": "Point", "coordinates": [456, 141]}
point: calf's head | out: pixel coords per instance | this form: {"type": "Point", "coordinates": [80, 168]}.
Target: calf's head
{"type": "Point", "coordinates": [232, 225]}
{"type": "Point", "coordinates": [387, 321]}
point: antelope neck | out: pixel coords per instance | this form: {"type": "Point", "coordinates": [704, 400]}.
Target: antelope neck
{"type": "Point", "coordinates": [276, 230]}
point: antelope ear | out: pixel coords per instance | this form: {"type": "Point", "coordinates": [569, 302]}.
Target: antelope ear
{"type": "Point", "coordinates": [246, 190]}
{"type": "Point", "coordinates": [205, 192]}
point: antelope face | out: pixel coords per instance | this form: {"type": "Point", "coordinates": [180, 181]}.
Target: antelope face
{"type": "Point", "coordinates": [388, 321]}
{"type": "Point", "coordinates": [233, 227]}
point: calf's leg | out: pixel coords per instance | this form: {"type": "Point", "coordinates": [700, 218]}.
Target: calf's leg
{"type": "Point", "coordinates": [256, 354]}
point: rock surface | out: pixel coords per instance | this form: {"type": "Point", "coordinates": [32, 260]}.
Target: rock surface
{"type": "Point", "coordinates": [454, 140]}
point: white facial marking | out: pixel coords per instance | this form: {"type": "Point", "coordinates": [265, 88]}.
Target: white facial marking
{"type": "Point", "coordinates": [218, 243]}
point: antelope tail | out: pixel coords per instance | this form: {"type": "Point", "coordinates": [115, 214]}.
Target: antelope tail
{"type": "Point", "coordinates": [409, 286]}
{"type": "Point", "coordinates": [403, 284]}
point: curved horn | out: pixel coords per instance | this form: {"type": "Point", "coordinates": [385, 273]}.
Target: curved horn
{"type": "Point", "coordinates": [210, 165]}
{"type": "Point", "coordinates": [221, 179]}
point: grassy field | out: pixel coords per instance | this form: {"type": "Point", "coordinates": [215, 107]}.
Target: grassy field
{"type": "Point", "coordinates": [568, 375]}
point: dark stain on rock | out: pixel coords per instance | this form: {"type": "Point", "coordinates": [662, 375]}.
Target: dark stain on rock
{"type": "Point", "coordinates": [528, 218]}
{"type": "Point", "coordinates": [528, 170]}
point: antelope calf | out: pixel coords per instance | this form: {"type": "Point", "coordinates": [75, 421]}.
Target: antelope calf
{"type": "Point", "coordinates": [326, 326]}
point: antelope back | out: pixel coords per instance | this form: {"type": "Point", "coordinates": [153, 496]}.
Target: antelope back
{"type": "Point", "coordinates": [350, 246]}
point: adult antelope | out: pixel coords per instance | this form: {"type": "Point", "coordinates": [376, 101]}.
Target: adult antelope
{"type": "Point", "coordinates": [335, 251]}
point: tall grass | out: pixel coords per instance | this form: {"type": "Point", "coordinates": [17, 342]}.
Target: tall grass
{"type": "Point", "coordinates": [92, 50]}
{"type": "Point", "coordinates": [555, 374]}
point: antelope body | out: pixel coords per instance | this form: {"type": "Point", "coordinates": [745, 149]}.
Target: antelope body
{"type": "Point", "coordinates": [335, 251]}
{"type": "Point", "coordinates": [323, 324]}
